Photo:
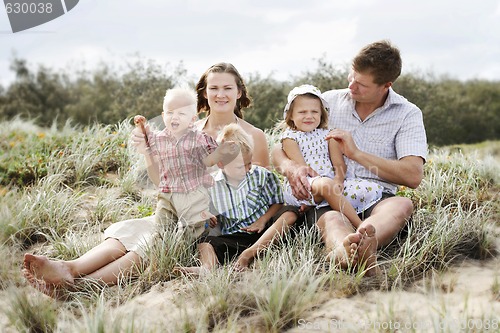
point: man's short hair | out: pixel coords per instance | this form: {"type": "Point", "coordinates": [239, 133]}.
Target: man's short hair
{"type": "Point", "coordinates": [380, 59]}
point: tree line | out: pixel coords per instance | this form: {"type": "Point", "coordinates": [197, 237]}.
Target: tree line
{"type": "Point", "coordinates": [455, 112]}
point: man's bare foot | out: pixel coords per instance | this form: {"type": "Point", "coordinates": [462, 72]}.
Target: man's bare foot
{"type": "Point", "coordinates": [347, 254]}
{"type": "Point", "coordinates": [193, 270]}
{"type": "Point", "coordinates": [367, 250]}
{"type": "Point", "coordinates": [56, 273]}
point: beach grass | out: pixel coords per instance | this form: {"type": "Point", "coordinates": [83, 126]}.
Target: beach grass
{"type": "Point", "coordinates": [60, 188]}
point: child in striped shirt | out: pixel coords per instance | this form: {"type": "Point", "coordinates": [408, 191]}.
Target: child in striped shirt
{"type": "Point", "coordinates": [246, 198]}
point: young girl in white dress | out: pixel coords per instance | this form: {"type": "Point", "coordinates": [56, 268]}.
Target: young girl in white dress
{"type": "Point", "coordinates": [303, 140]}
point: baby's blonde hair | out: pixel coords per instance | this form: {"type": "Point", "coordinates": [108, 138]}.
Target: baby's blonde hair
{"type": "Point", "coordinates": [234, 132]}
{"type": "Point", "coordinates": [186, 97]}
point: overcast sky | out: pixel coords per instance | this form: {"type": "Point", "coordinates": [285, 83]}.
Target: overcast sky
{"type": "Point", "coordinates": [279, 37]}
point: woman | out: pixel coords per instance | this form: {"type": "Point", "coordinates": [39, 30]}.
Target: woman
{"type": "Point", "coordinates": [222, 94]}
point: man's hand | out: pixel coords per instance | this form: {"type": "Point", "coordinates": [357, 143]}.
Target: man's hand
{"type": "Point", "coordinates": [345, 141]}
{"type": "Point", "coordinates": [298, 181]}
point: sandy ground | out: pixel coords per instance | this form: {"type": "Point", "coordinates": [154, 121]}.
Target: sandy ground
{"type": "Point", "coordinates": [460, 299]}
{"type": "Point", "coordinates": [461, 296]}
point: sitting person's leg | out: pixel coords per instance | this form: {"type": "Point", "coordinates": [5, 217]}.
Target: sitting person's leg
{"type": "Point", "coordinates": [340, 238]}
{"type": "Point", "coordinates": [124, 242]}
{"type": "Point", "coordinates": [105, 262]}
{"type": "Point", "coordinates": [215, 250]}
{"type": "Point", "coordinates": [381, 225]}
{"type": "Point", "coordinates": [126, 266]}
{"type": "Point", "coordinates": [280, 226]}
{"type": "Point", "coordinates": [359, 247]}
{"type": "Point", "coordinates": [208, 260]}
{"type": "Point", "coordinates": [323, 188]}
{"type": "Point", "coordinates": [389, 216]}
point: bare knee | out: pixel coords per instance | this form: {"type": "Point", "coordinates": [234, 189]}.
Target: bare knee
{"type": "Point", "coordinates": [322, 183]}
{"type": "Point", "coordinates": [288, 219]}
{"type": "Point", "coordinates": [330, 218]}
{"type": "Point", "coordinates": [205, 247]}
{"type": "Point", "coordinates": [404, 208]}
{"type": "Point", "coordinates": [401, 209]}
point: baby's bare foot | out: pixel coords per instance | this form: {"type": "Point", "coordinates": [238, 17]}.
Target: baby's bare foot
{"type": "Point", "coordinates": [55, 273]}
{"type": "Point", "coordinates": [367, 249]}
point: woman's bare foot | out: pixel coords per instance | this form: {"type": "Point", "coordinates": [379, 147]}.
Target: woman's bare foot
{"type": "Point", "coordinates": [367, 250]}
{"type": "Point", "coordinates": [56, 292]}
{"type": "Point", "coordinates": [56, 273]}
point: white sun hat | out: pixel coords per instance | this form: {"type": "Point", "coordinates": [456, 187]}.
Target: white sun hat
{"type": "Point", "coordinates": [302, 90]}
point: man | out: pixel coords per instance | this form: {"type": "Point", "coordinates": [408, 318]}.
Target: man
{"type": "Point", "coordinates": [383, 135]}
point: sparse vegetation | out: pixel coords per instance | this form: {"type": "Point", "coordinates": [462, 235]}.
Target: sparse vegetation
{"type": "Point", "coordinates": [80, 188]}
{"type": "Point", "coordinates": [454, 111]}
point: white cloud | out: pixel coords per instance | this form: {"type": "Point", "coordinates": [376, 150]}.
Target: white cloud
{"type": "Point", "coordinates": [497, 11]}
{"type": "Point", "coordinates": [282, 36]}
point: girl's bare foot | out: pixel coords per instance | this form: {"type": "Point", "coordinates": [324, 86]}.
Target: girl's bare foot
{"type": "Point", "coordinates": [367, 250]}
{"type": "Point", "coordinates": [56, 273]}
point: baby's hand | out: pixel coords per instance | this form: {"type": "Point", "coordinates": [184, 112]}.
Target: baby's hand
{"type": "Point", "coordinates": [139, 122]}
{"type": "Point", "coordinates": [227, 152]}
